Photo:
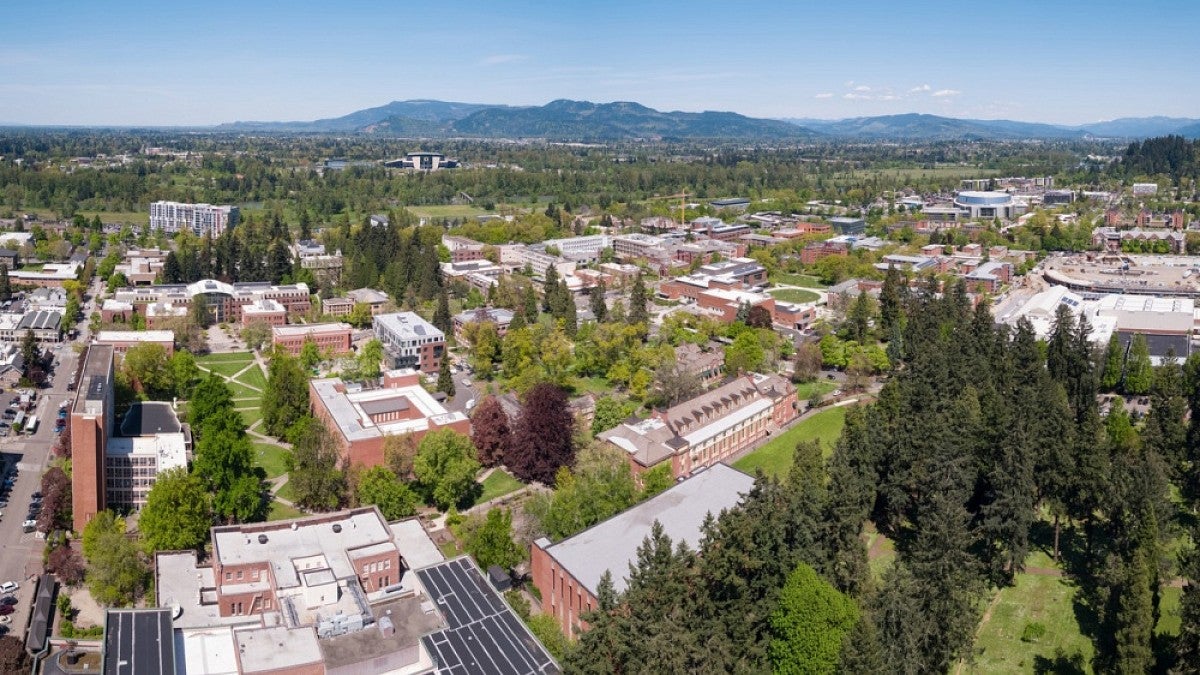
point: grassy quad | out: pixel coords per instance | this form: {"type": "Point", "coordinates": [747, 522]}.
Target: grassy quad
{"type": "Point", "coordinates": [794, 295]}
{"type": "Point", "coordinates": [775, 458]}
{"type": "Point", "coordinates": [272, 458]}
{"type": "Point", "coordinates": [802, 280]}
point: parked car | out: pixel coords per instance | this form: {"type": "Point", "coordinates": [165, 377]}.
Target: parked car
{"type": "Point", "coordinates": [37, 495]}
{"type": "Point", "coordinates": [9, 587]}
{"type": "Point", "coordinates": [8, 600]}
{"type": "Point", "coordinates": [6, 610]}
{"type": "Point", "coordinates": [29, 525]}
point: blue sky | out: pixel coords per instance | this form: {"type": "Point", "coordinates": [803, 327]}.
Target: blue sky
{"type": "Point", "coordinates": [165, 62]}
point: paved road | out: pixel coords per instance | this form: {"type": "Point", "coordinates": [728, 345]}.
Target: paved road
{"type": "Point", "coordinates": [20, 552]}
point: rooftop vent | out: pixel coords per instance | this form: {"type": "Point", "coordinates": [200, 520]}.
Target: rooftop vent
{"type": "Point", "coordinates": [262, 538]}
{"type": "Point", "coordinates": [337, 527]}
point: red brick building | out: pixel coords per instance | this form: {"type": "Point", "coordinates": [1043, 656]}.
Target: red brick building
{"type": "Point", "coordinates": [330, 338]}
{"type": "Point", "coordinates": [360, 418]}
{"type": "Point", "coordinates": [709, 428]}
{"type": "Point", "coordinates": [567, 573]}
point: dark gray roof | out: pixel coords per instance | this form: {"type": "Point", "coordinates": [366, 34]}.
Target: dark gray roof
{"type": "Point", "coordinates": [147, 418]}
{"type": "Point", "coordinates": [385, 405]}
{"type": "Point", "coordinates": [139, 641]}
{"type": "Point", "coordinates": [40, 320]}
{"type": "Point", "coordinates": [483, 634]}
{"type": "Point", "coordinates": [39, 622]}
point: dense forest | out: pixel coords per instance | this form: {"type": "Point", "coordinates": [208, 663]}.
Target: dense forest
{"type": "Point", "coordinates": [984, 446]}
{"type": "Point", "coordinates": [283, 172]}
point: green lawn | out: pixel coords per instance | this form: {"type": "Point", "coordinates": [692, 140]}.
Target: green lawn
{"type": "Point", "coordinates": [804, 280]}
{"type": "Point", "coordinates": [239, 390]}
{"type": "Point", "coordinates": [497, 485]}
{"type": "Point", "coordinates": [805, 390]}
{"type": "Point", "coordinates": [446, 211]}
{"type": "Point", "coordinates": [281, 511]}
{"type": "Point", "coordinates": [253, 377]}
{"type": "Point", "coordinates": [775, 458]}
{"type": "Point", "coordinates": [250, 415]}
{"type": "Point", "coordinates": [794, 295]}
{"type": "Point", "coordinates": [1168, 605]}
{"type": "Point", "coordinates": [230, 357]}
{"type": "Point", "coordinates": [287, 492]}
{"type": "Point", "coordinates": [221, 368]}
{"type": "Point", "coordinates": [272, 458]}
{"type": "Point", "coordinates": [1033, 599]}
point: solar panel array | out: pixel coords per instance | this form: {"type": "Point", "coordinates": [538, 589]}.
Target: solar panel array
{"type": "Point", "coordinates": [483, 634]}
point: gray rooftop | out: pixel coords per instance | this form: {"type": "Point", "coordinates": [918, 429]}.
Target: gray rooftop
{"type": "Point", "coordinates": [612, 545]}
{"type": "Point", "coordinates": [147, 418]}
{"type": "Point", "coordinates": [407, 326]}
{"type": "Point", "coordinates": [139, 641]}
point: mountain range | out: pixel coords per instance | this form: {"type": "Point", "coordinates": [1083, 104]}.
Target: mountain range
{"type": "Point", "coordinates": [566, 120]}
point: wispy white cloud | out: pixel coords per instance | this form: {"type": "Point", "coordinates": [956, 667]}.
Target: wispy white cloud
{"type": "Point", "coordinates": [862, 87]}
{"type": "Point", "coordinates": [920, 89]}
{"type": "Point", "coordinates": [824, 95]}
{"type": "Point", "coordinates": [501, 59]}
{"type": "Point", "coordinates": [852, 96]}
{"type": "Point", "coordinates": [943, 93]}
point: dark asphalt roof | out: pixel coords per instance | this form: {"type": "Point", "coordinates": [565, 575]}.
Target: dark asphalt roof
{"type": "Point", "coordinates": [148, 418]}
{"type": "Point", "coordinates": [139, 641]}
{"type": "Point", "coordinates": [483, 634]}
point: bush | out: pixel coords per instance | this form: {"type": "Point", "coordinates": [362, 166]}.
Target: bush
{"type": "Point", "coordinates": [1033, 632]}
{"type": "Point", "coordinates": [546, 629]}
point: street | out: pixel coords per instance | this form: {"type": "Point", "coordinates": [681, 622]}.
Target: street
{"type": "Point", "coordinates": [21, 552]}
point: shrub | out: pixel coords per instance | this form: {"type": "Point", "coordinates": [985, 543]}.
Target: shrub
{"type": "Point", "coordinates": [1033, 632]}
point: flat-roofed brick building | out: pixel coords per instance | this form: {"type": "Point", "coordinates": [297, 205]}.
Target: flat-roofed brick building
{"type": "Point", "coordinates": [332, 338]}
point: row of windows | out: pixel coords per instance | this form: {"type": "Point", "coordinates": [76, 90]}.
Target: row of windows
{"type": "Point", "coordinates": [241, 575]}
{"type": "Point", "coordinates": [371, 568]}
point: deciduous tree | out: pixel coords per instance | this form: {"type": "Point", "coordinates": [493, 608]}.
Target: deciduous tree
{"type": "Point", "coordinates": [489, 540]}
{"type": "Point", "coordinates": [445, 467]}
{"type": "Point", "coordinates": [177, 514]}
{"type": "Point", "coordinates": [379, 486]}
{"type": "Point", "coordinates": [286, 398]}
{"type": "Point", "coordinates": [810, 625]}
{"type": "Point", "coordinates": [491, 431]}
{"type": "Point", "coordinates": [543, 437]}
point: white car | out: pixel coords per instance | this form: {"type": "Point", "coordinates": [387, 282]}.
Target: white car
{"type": "Point", "coordinates": [9, 587]}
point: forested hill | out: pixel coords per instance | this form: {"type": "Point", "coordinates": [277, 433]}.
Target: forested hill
{"type": "Point", "coordinates": [1173, 156]}
{"type": "Point", "coordinates": [562, 120]}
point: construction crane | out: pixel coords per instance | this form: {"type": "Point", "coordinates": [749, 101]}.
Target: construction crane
{"type": "Point", "coordinates": [682, 197]}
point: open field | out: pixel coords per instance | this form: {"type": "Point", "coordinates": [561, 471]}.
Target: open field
{"type": "Point", "coordinates": [226, 368]}
{"type": "Point", "coordinates": [803, 280]}
{"type": "Point", "coordinates": [1034, 599]}
{"type": "Point", "coordinates": [775, 458]}
{"type": "Point", "coordinates": [446, 211]}
{"type": "Point", "coordinates": [794, 295]}
{"type": "Point", "coordinates": [243, 395]}
{"type": "Point", "coordinates": [250, 416]}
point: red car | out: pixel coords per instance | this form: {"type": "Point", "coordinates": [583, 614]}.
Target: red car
{"type": "Point", "coordinates": [7, 609]}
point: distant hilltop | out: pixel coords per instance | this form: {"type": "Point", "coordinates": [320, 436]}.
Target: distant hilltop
{"type": "Point", "coordinates": [567, 120]}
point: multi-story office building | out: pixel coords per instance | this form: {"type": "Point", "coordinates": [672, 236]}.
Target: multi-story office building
{"type": "Point", "coordinates": [410, 341]}
{"type": "Point", "coordinates": [111, 466]}
{"type": "Point", "coordinates": [201, 219]}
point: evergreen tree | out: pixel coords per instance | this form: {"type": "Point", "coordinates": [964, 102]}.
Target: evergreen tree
{"type": "Point", "coordinates": [550, 290]}
{"type": "Point", "coordinates": [859, 320]}
{"type": "Point", "coordinates": [529, 303]}
{"type": "Point", "coordinates": [596, 301]}
{"type": "Point", "coordinates": [1139, 373]}
{"type": "Point", "coordinates": [286, 398]}
{"type": "Point", "coordinates": [568, 317]}
{"type": "Point", "coordinates": [1114, 361]}
{"type": "Point", "coordinates": [441, 315]}
{"type": "Point", "coordinates": [5, 284]}
{"type": "Point", "coordinates": [1165, 432]}
{"type": "Point", "coordinates": [638, 314]}
{"type": "Point", "coordinates": [891, 300]}
{"type": "Point", "coordinates": [1187, 643]}
{"type": "Point", "coordinates": [851, 495]}
{"type": "Point", "coordinates": [445, 382]}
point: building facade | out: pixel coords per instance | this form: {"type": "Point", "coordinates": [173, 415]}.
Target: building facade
{"type": "Point", "coordinates": [709, 428]}
{"type": "Point", "coordinates": [200, 219]}
{"type": "Point", "coordinates": [330, 338]}
{"type": "Point", "coordinates": [410, 341]}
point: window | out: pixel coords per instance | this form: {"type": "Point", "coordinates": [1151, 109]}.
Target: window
{"type": "Point", "coordinates": [241, 574]}
{"type": "Point", "coordinates": [229, 576]}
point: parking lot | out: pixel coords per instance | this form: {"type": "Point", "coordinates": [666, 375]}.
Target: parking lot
{"type": "Point", "coordinates": [25, 457]}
